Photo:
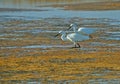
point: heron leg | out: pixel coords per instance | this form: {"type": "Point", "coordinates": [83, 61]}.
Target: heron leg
{"type": "Point", "coordinates": [78, 45]}
{"type": "Point", "coordinates": [90, 36]}
{"type": "Point", "coordinates": [75, 45]}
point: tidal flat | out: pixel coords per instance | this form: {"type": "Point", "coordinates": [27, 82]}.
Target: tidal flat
{"type": "Point", "coordinates": [31, 54]}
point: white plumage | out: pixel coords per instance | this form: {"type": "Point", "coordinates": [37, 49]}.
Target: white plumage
{"type": "Point", "coordinates": [79, 34]}
{"type": "Point", "coordinates": [73, 37]}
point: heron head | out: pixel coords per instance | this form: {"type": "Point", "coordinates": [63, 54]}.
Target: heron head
{"type": "Point", "coordinates": [72, 26]}
{"type": "Point", "coordinates": [60, 32]}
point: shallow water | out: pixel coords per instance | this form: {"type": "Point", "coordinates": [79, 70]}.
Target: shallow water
{"type": "Point", "coordinates": [39, 81]}
{"type": "Point", "coordinates": [112, 36]}
{"type": "Point", "coordinates": [51, 12]}
{"type": "Point", "coordinates": [104, 81]}
{"type": "Point", "coordinates": [58, 13]}
{"type": "Point", "coordinates": [38, 46]}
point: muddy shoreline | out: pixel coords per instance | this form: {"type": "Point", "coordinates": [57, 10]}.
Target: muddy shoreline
{"type": "Point", "coordinates": [19, 9]}
{"type": "Point", "coordinates": [94, 6]}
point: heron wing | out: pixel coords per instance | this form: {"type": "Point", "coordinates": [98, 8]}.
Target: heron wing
{"type": "Point", "coordinates": [75, 37]}
{"type": "Point", "coordinates": [87, 30]}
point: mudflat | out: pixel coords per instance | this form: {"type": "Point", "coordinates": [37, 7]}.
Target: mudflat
{"type": "Point", "coordinates": [29, 52]}
{"type": "Point", "coordinates": [91, 6]}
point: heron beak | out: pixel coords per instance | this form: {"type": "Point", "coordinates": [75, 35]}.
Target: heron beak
{"type": "Point", "coordinates": [57, 34]}
{"type": "Point", "coordinates": [69, 28]}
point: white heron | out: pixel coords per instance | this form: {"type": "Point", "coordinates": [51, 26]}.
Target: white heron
{"type": "Point", "coordinates": [73, 37]}
{"type": "Point", "coordinates": [82, 30]}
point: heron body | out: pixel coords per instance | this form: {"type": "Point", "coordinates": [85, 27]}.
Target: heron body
{"type": "Point", "coordinates": [79, 34]}
{"type": "Point", "coordinates": [73, 37]}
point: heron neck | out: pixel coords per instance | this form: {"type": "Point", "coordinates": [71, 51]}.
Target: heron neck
{"type": "Point", "coordinates": [63, 37]}
{"type": "Point", "coordinates": [74, 29]}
